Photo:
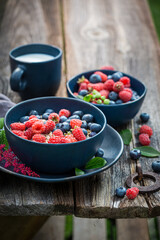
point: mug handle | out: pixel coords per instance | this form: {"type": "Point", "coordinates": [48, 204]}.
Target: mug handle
{"type": "Point", "coordinates": [16, 80]}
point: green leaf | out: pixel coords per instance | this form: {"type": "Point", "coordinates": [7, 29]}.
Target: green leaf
{"type": "Point", "coordinates": [3, 139]}
{"type": "Point", "coordinates": [96, 162]}
{"type": "Point", "coordinates": [148, 151]}
{"type": "Point", "coordinates": [79, 172]}
{"type": "Point", "coordinates": [126, 136]}
{"type": "Point", "coordinates": [1, 123]}
{"type": "Point", "coordinates": [87, 98]}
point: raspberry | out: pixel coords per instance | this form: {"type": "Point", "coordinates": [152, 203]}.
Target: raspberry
{"type": "Point", "coordinates": [18, 132]}
{"type": "Point", "coordinates": [49, 126]}
{"type": "Point", "coordinates": [125, 81]}
{"type": "Point", "coordinates": [64, 112]}
{"type": "Point", "coordinates": [18, 126]}
{"type": "Point", "coordinates": [75, 122]}
{"type": "Point", "coordinates": [102, 75]}
{"type": "Point", "coordinates": [125, 96]}
{"type": "Point", "coordinates": [38, 127]}
{"type": "Point", "coordinates": [107, 68]}
{"type": "Point", "coordinates": [104, 93]}
{"type": "Point", "coordinates": [30, 122]}
{"type": "Point", "coordinates": [70, 138]}
{"type": "Point", "coordinates": [24, 137]}
{"type": "Point", "coordinates": [118, 86]}
{"type": "Point", "coordinates": [144, 139]}
{"type": "Point", "coordinates": [32, 116]}
{"type": "Point", "coordinates": [97, 86]}
{"type": "Point", "coordinates": [58, 132]}
{"type": "Point", "coordinates": [83, 86]}
{"type": "Point", "coordinates": [65, 140]}
{"type": "Point", "coordinates": [78, 134]}
{"type": "Point", "coordinates": [146, 129]}
{"type": "Point", "coordinates": [54, 117]}
{"type": "Point", "coordinates": [132, 193]}
{"type": "Point", "coordinates": [29, 133]}
{"type": "Point", "coordinates": [39, 138]}
{"type": "Point", "coordinates": [108, 85]}
{"type": "Point", "coordinates": [128, 90]}
{"type": "Point", "coordinates": [75, 94]}
{"type": "Point", "coordinates": [55, 139]}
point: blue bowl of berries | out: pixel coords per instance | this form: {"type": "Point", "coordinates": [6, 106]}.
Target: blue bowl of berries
{"type": "Point", "coordinates": [53, 134]}
{"type": "Point", "coordinates": [118, 95]}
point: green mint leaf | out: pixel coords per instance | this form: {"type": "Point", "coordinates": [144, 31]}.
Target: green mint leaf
{"type": "Point", "coordinates": [79, 172]}
{"type": "Point", "coordinates": [126, 136]}
{"type": "Point", "coordinates": [96, 162]}
{"type": "Point", "coordinates": [3, 139]}
{"type": "Point", "coordinates": [148, 151]}
{"type": "Point", "coordinates": [87, 98]}
{"type": "Point", "coordinates": [1, 123]}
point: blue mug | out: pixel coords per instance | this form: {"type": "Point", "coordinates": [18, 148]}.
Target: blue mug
{"type": "Point", "coordinates": [35, 70]}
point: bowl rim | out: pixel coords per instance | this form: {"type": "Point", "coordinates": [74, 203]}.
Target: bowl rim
{"type": "Point", "coordinates": [103, 105]}
{"type": "Point", "coordinates": [52, 97]}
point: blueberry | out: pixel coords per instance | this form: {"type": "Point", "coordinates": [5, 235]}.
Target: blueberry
{"type": "Point", "coordinates": [135, 154]}
{"type": "Point", "coordinates": [24, 119]}
{"type": "Point", "coordinates": [45, 116]}
{"type": "Point", "coordinates": [84, 124]}
{"type": "Point", "coordinates": [99, 153]}
{"type": "Point", "coordinates": [85, 131]}
{"type": "Point", "coordinates": [133, 98]}
{"type": "Point", "coordinates": [65, 127]}
{"type": "Point", "coordinates": [112, 103]}
{"type": "Point", "coordinates": [144, 117]}
{"type": "Point", "coordinates": [62, 119]}
{"type": "Point", "coordinates": [120, 192]}
{"type": "Point", "coordinates": [87, 117]}
{"type": "Point", "coordinates": [68, 120]}
{"type": "Point", "coordinates": [156, 166]}
{"type": "Point", "coordinates": [119, 101]}
{"type": "Point", "coordinates": [38, 116]}
{"type": "Point", "coordinates": [58, 125]}
{"type": "Point", "coordinates": [74, 117]}
{"type": "Point", "coordinates": [33, 112]}
{"type": "Point", "coordinates": [49, 110]}
{"type": "Point", "coordinates": [92, 134]}
{"type": "Point", "coordinates": [89, 124]}
{"type": "Point", "coordinates": [95, 78]}
{"type": "Point", "coordinates": [109, 77]}
{"type": "Point", "coordinates": [83, 93]}
{"type": "Point", "coordinates": [116, 76]}
{"type": "Point", "coordinates": [95, 127]}
{"type": "Point", "coordinates": [134, 92]}
{"type": "Point", "coordinates": [79, 113]}
{"type": "Point", "coordinates": [113, 96]}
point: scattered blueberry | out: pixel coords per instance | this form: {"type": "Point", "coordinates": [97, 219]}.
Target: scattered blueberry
{"type": "Point", "coordinates": [156, 166]}
{"type": "Point", "coordinates": [120, 192]}
{"type": "Point", "coordinates": [84, 124]}
{"type": "Point", "coordinates": [135, 154]}
{"type": "Point", "coordinates": [83, 93]}
{"type": "Point", "coordinates": [99, 153]}
{"type": "Point", "coordinates": [74, 117]}
{"type": "Point", "coordinates": [95, 127]}
{"type": "Point", "coordinates": [88, 117]}
{"type": "Point", "coordinates": [62, 119]}
{"type": "Point", "coordinates": [24, 119]}
{"type": "Point", "coordinates": [95, 78]}
{"type": "Point", "coordinates": [45, 116]}
{"type": "Point", "coordinates": [92, 134]}
{"type": "Point", "coordinates": [49, 110]}
{"type": "Point", "coordinates": [79, 113]}
{"type": "Point", "coordinates": [84, 131]}
{"type": "Point", "coordinates": [144, 117]}
{"type": "Point", "coordinates": [116, 76]}
{"type": "Point", "coordinates": [65, 127]}
{"type": "Point", "coordinates": [109, 77]}
{"type": "Point", "coordinates": [119, 101]}
{"type": "Point", "coordinates": [33, 112]}
{"type": "Point", "coordinates": [112, 103]}
{"type": "Point", "coordinates": [113, 96]}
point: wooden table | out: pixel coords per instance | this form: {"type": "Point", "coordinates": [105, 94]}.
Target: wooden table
{"type": "Point", "coordinates": [91, 33]}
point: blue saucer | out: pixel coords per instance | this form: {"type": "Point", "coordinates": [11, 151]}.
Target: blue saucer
{"type": "Point", "coordinates": [112, 146]}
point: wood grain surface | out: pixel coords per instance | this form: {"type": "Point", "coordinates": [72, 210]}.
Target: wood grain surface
{"type": "Point", "coordinates": [91, 33]}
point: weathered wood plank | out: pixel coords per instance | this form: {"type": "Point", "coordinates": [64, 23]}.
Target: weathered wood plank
{"type": "Point", "coordinates": [132, 229]}
{"type": "Point", "coordinates": [53, 229]}
{"type": "Point", "coordinates": [27, 22]}
{"type": "Point", "coordinates": [89, 229]}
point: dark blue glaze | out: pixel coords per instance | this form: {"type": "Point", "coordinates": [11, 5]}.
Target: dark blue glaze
{"type": "Point", "coordinates": [35, 79]}
{"type": "Point", "coordinates": [116, 114]}
{"type": "Point", "coordinates": [112, 145]}
{"type": "Point", "coordinates": [54, 158]}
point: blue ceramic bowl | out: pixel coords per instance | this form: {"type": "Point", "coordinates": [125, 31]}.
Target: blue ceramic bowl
{"type": "Point", "coordinates": [117, 114]}
{"type": "Point", "coordinates": [53, 158]}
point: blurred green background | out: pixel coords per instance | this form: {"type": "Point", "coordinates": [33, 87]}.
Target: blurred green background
{"type": "Point", "coordinates": [155, 11]}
